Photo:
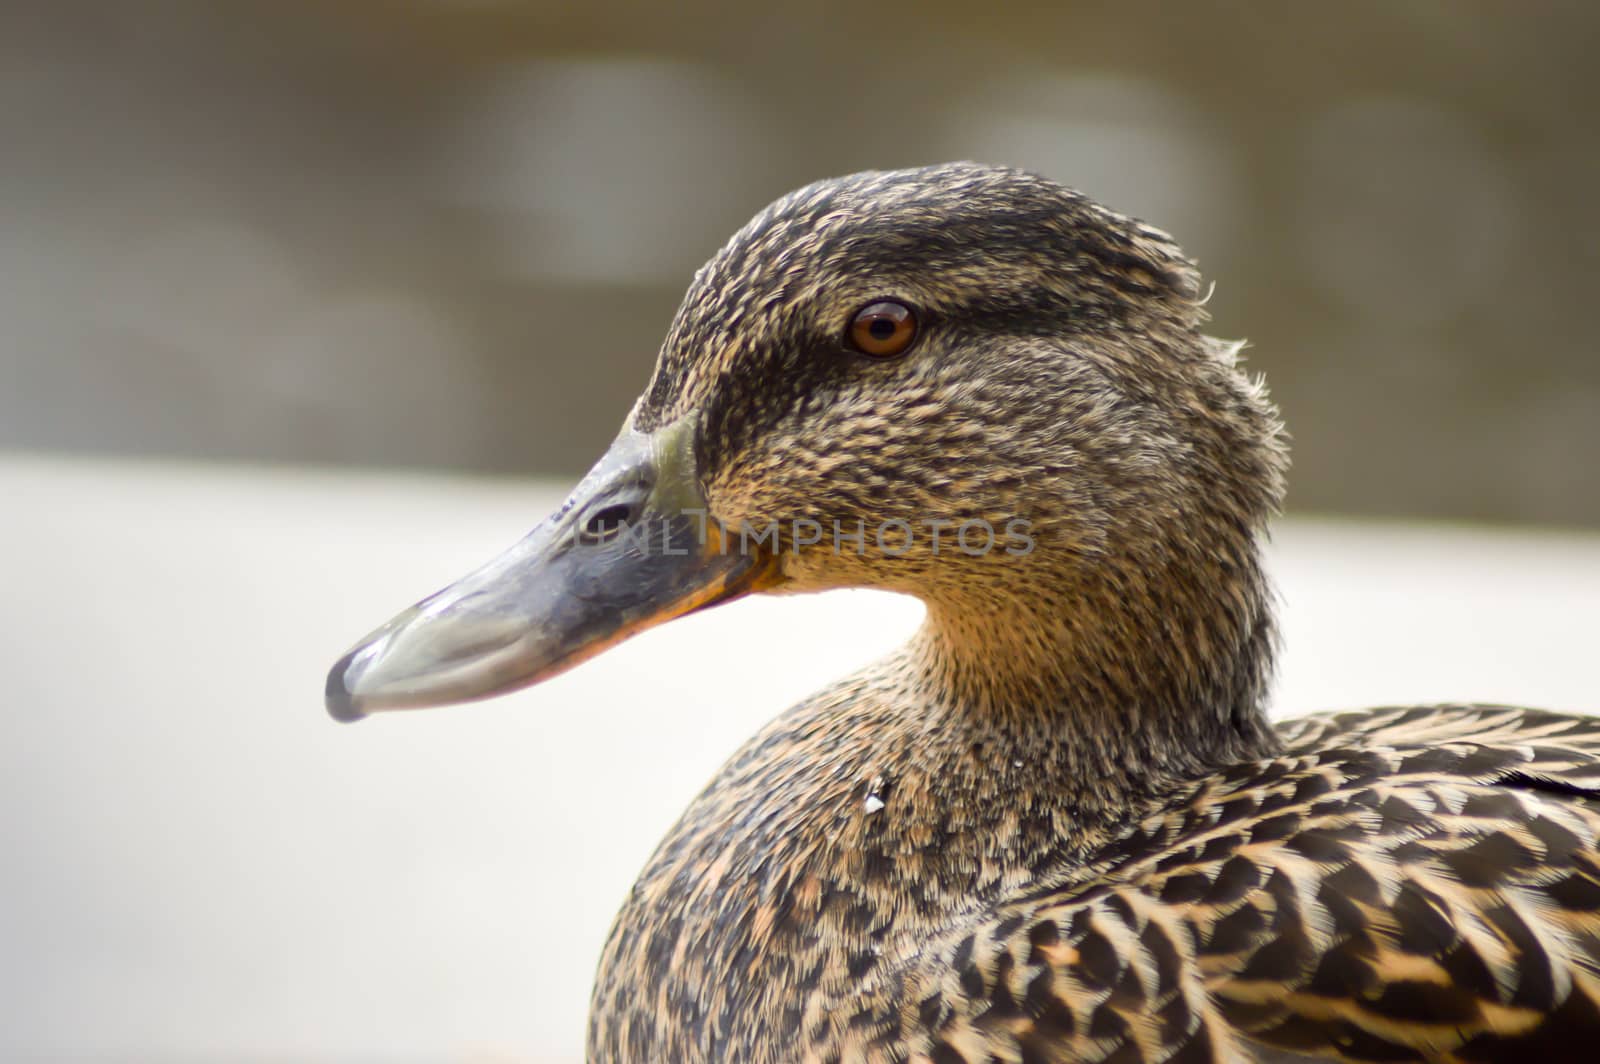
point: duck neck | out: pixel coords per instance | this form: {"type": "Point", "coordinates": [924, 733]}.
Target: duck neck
{"type": "Point", "coordinates": [1113, 697]}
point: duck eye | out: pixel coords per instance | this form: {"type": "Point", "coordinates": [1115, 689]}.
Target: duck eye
{"type": "Point", "coordinates": [884, 329]}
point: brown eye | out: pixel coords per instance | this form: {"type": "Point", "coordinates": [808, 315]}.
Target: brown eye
{"type": "Point", "coordinates": [883, 330]}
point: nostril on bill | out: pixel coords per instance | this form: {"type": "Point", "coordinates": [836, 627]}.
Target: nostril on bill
{"type": "Point", "coordinates": [606, 522]}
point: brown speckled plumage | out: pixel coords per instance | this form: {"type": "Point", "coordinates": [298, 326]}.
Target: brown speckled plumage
{"type": "Point", "coordinates": [1057, 826]}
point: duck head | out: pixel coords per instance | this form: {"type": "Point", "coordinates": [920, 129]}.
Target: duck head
{"type": "Point", "coordinates": [960, 382]}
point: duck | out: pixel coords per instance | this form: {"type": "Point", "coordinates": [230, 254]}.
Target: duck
{"type": "Point", "coordinates": [1056, 825]}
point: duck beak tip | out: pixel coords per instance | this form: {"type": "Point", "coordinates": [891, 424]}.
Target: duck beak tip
{"type": "Point", "coordinates": [340, 703]}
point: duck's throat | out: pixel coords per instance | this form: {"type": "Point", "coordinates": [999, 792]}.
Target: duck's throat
{"type": "Point", "coordinates": [1116, 702]}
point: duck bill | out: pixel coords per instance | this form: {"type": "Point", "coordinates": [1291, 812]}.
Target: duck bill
{"type": "Point", "coordinates": [632, 548]}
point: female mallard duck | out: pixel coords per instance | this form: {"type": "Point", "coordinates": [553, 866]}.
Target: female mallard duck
{"type": "Point", "coordinates": [1056, 826]}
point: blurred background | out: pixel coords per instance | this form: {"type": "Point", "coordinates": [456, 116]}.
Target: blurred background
{"type": "Point", "coordinates": [450, 233]}
{"type": "Point", "coordinates": [311, 305]}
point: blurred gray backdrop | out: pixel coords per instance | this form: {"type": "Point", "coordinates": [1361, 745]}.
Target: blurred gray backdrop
{"type": "Point", "coordinates": [451, 233]}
